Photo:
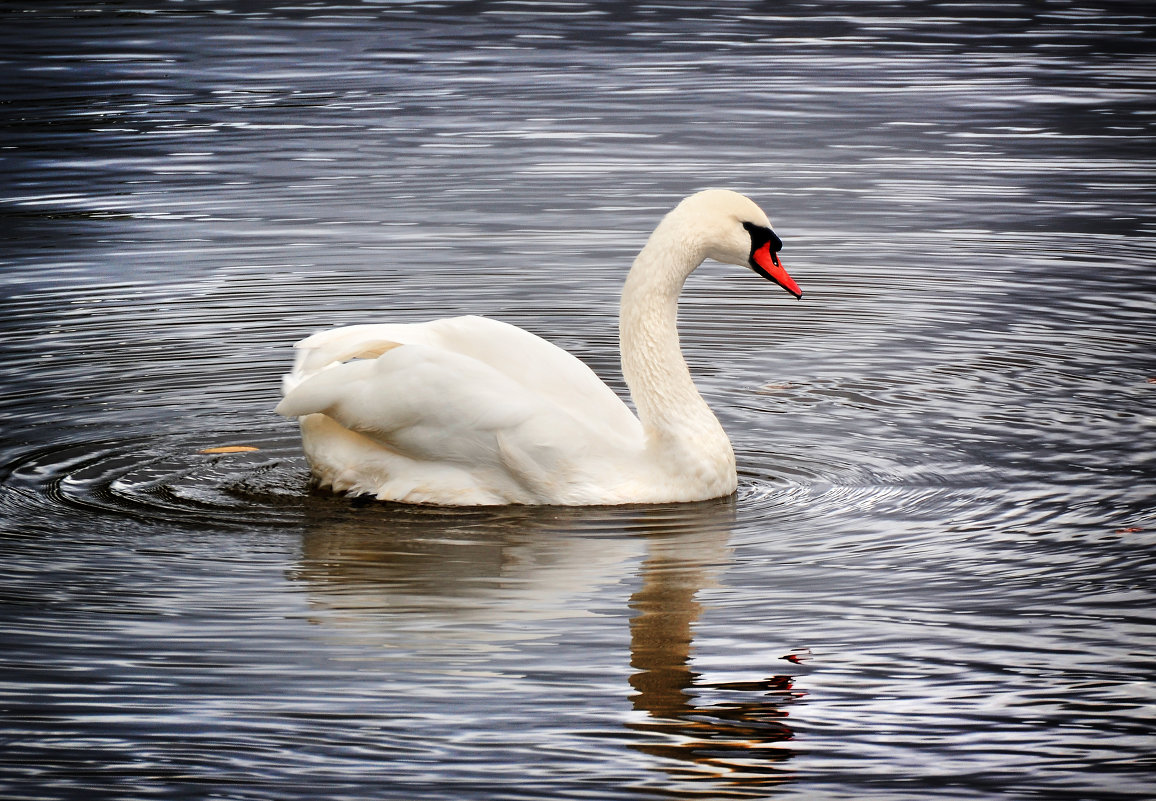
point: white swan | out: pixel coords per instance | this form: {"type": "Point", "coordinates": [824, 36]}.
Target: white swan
{"type": "Point", "coordinates": [467, 411]}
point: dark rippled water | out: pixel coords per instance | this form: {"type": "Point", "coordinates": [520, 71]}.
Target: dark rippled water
{"type": "Point", "coordinates": [936, 579]}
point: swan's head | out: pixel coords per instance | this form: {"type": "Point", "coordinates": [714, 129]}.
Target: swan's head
{"type": "Point", "coordinates": [732, 229]}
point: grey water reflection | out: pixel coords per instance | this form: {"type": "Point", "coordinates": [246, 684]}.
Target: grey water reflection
{"type": "Point", "coordinates": [447, 584]}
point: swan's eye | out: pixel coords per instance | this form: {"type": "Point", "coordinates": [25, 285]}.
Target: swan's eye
{"type": "Point", "coordinates": [761, 235]}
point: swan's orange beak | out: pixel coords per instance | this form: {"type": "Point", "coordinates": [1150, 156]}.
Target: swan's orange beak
{"type": "Point", "coordinates": [767, 264]}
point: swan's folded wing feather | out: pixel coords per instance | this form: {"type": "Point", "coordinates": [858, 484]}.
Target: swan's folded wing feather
{"type": "Point", "coordinates": [434, 405]}
{"type": "Point", "coordinates": [539, 366]}
{"type": "Point", "coordinates": [337, 345]}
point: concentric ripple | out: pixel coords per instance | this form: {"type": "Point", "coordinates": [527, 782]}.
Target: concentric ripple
{"type": "Point", "coordinates": [161, 480]}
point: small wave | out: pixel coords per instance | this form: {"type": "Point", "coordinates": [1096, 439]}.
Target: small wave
{"type": "Point", "coordinates": [168, 480]}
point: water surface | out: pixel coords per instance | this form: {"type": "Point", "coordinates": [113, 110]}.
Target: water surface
{"type": "Point", "coordinates": [936, 579]}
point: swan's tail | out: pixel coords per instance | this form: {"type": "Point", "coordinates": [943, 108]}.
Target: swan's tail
{"type": "Point", "coordinates": [339, 345]}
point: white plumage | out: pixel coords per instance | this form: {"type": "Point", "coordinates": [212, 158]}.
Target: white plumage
{"type": "Point", "coordinates": [472, 411]}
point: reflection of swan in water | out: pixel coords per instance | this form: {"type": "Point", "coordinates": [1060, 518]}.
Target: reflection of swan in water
{"type": "Point", "coordinates": [736, 741]}
{"type": "Point", "coordinates": [435, 581]}
{"type": "Point", "coordinates": [432, 578]}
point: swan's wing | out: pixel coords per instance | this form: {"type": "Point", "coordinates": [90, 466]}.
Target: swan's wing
{"type": "Point", "coordinates": [537, 366]}
{"type": "Point", "coordinates": [431, 405]}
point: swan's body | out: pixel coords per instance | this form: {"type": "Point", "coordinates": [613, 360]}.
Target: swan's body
{"type": "Point", "coordinates": [469, 411]}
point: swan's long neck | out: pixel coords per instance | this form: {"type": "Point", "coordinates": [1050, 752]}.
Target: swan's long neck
{"type": "Point", "coordinates": [672, 411]}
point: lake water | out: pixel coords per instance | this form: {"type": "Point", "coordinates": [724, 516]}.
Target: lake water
{"type": "Point", "coordinates": [936, 579]}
